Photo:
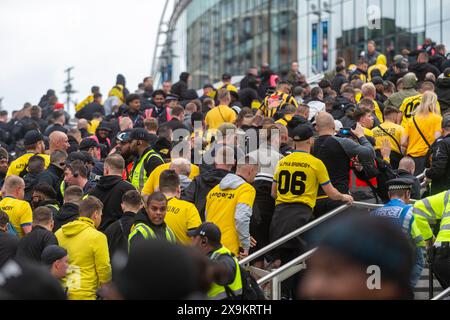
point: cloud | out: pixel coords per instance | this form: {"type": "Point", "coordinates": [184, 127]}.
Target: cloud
{"type": "Point", "coordinates": [40, 39]}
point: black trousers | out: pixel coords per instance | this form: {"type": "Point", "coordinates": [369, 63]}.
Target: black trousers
{"type": "Point", "coordinates": [324, 206]}
{"type": "Point", "coordinates": [420, 165]}
{"type": "Point", "coordinates": [286, 219]}
{"type": "Point", "coordinates": [441, 266]}
{"type": "Point", "coordinates": [261, 219]}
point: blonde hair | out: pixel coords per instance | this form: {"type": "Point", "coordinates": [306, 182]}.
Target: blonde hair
{"type": "Point", "coordinates": [428, 105]}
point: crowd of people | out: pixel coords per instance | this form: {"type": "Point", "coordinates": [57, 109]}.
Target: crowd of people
{"type": "Point", "coordinates": [159, 194]}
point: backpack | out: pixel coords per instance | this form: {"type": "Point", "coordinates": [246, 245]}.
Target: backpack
{"type": "Point", "coordinates": [251, 291]}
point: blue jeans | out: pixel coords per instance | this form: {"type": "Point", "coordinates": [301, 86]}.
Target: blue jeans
{"type": "Point", "coordinates": [418, 268]}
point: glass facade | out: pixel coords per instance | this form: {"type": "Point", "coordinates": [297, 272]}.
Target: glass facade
{"type": "Point", "coordinates": [211, 37]}
{"type": "Point", "coordinates": [234, 35]}
{"type": "Point", "coordinates": [401, 24]}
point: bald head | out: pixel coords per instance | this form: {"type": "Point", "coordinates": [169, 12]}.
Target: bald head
{"type": "Point", "coordinates": [407, 164]}
{"type": "Point", "coordinates": [83, 124]}
{"type": "Point", "coordinates": [58, 141]}
{"type": "Point", "coordinates": [14, 187]}
{"type": "Point", "coordinates": [325, 123]}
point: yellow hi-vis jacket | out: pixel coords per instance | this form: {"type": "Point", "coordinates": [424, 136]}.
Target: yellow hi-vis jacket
{"type": "Point", "coordinates": [430, 210]}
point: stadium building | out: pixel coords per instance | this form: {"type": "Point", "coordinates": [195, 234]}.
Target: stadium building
{"type": "Point", "coordinates": [210, 37]}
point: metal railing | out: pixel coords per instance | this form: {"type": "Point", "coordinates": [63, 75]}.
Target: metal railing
{"type": "Point", "coordinates": [304, 229]}
{"type": "Point", "coordinates": [442, 295]}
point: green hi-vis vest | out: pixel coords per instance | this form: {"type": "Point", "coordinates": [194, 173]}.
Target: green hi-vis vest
{"type": "Point", "coordinates": [138, 175]}
{"type": "Point", "coordinates": [219, 292]}
{"type": "Point", "coordinates": [430, 210]}
{"type": "Point", "coordinates": [148, 233]}
{"type": "Point", "coordinates": [62, 188]}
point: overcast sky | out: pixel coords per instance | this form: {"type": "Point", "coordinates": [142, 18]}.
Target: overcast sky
{"type": "Point", "coordinates": [39, 39]}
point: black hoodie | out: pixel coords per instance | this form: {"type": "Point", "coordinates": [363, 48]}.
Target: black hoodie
{"type": "Point", "coordinates": [118, 232]}
{"type": "Point", "coordinates": [69, 212]}
{"type": "Point", "coordinates": [110, 190]}
{"type": "Point", "coordinates": [421, 70]}
{"type": "Point", "coordinates": [443, 93]}
{"type": "Point", "coordinates": [199, 188]}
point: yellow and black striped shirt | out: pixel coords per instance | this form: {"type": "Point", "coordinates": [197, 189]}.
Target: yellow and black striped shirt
{"type": "Point", "coordinates": [286, 100]}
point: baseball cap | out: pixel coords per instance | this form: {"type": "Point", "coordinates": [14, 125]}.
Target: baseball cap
{"type": "Point", "coordinates": [52, 253]}
{"type": "Point", "coordinates": [88, 143]}
{"type": "Point", "coordinates": [140, 134]}
{"type": "Point", "coordinates": [302, 133]}
{"type": "Point", "coordinates": [124, 136]}
{"type": "Point", "coordinates": [26, 281]}
{"type": "Point", "coordinates": [207, 230]}
{"type": "Point", "coordinates": [104, 126]}
{"type": "Point", "coordinates": [32, 137]}
{"type": "Point", "coordinates": [82, 156]}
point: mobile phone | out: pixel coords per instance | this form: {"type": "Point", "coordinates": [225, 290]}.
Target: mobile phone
{"type": "Point", "coordinates": [345, 132]}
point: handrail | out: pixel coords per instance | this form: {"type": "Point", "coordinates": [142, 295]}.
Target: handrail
{"type": "Point", "coordinates": [305, 228]}
{"type": "Point", "coordinates": [441, 295]}
{"type": "Point", "coordinates": [287, 266]}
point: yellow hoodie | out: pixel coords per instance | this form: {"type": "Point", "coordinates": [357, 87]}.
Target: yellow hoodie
{"type": "Point", "coordinates": [89, 264]}
{"type": "Point", "coordinates": [381, 65]}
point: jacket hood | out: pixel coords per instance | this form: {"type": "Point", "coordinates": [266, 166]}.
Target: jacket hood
{"type": "Point", "coordinates": [67, 211]}
{"type": "Point", "coordinates": [443, 83]}
{"type": "Point", "coordinates": [214, 176]}
{"type": "Point", "coordinates": [231, 181]}
{"type": "Point", "coordinates": [381, 60]}
{"type": "Point", "coordinates": [74, 228]}
{"type": "Point", "coordinates": [120, 80]}
{"type": "Point", "coordinates": [410, 81]}
{"type": "Point", "coordinates": [184, 76]}
{"type": "Point", "coordinates": [108, 182]}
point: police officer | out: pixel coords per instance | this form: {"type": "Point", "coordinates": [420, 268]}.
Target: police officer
{"type": "Point", "coordinates": [429, 211]}
{"type": "Point", "coordinates": [400, 212]}
{"type": "Point", "coordinates": [227, 276]}
{"type": "Point", "coordinates": [439, 172]}
{"type": "Point", "coordinates": [149, 222]}
{"type": "Point", "coordinates": [146, 159]}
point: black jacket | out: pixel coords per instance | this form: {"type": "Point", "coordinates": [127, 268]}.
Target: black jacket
{"type": "Point", "coordinates": [137, 118]}
{"type": "Point", "coordinates": [8, 247]}
{"type": "Point", "coordinates": [88, 111]}
{"type": "Point", "coordinates": [415, 193]}
{"type": "Point", "coordinates": [438, 61]}
{"type": "Point", "coordinates": [199, 188]}
{"type": "Point", "coordinates": [146, 100]}
{"type": "Point", "coordinates": [41, 123]}
{"type": "Point", "coordinates": [176, 124]}
{"type": "Point", "coordinates": [337, 82]}
{"type": "Point", "coordinates": [31, 180]}
{"type": "Point", "coordinates": [247, 96]}
{"type": "Point", "coordinates": [118, 232]}
{"type": "Point", "coordinates": [443, 93]}
{"type": "Point", "coordinates": [440, 167]}
{"type": "Point", "coordinates": [159, 114]}
{"type": "Point", "coordinates": [180, 89]}
{"type": "Point", "coordinates": [69, 212]}
{"type": "Point", "coordinates": [421, 70]}
{"type": "Point", "coordinates": [53, 128]}
{"type": "Point", "coordinates": [32, 244]}
{"type": "Point", "coordinates": [53, 176]}
{"type": "Point", "coordinates": [110, 190]}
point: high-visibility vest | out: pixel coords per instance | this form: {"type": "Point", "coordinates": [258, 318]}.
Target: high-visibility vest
{"type": "Point", "coordinates": [138, 174]}
{"type": "Point", "coordinates": [219, 292]}
{"type": "Point", "coordinates": [431, 210]}
{"type": "Point", "coordinates": [148, 233]}
{"type": "Point", "coordinates": [149, 114]}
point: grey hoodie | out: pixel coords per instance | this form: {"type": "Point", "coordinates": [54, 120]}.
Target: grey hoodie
{"type": "Point", "coordinates": [243, 212]}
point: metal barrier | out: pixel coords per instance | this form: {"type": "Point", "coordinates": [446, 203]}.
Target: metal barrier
{"type": "Point", "coordinates": [305, 228]}
{"type": "Point", "coordinates": [442, 295]}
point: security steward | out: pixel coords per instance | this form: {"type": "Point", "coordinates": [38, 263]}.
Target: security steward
{"type": "Point", "coordinates": [399, 210]}
{"type": "Point", "coordinates": [296, 183]}
{"type": "Point", "coordinates": [429, 211]}
{"type": "Point", "coordinates": [275, 103]}
{"type": "Point", "coordinates": [146, 159]}
{"type": "Point", "coordinates": [227, 274]}
{"type": "Point", "coordinates": [149, 222]}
